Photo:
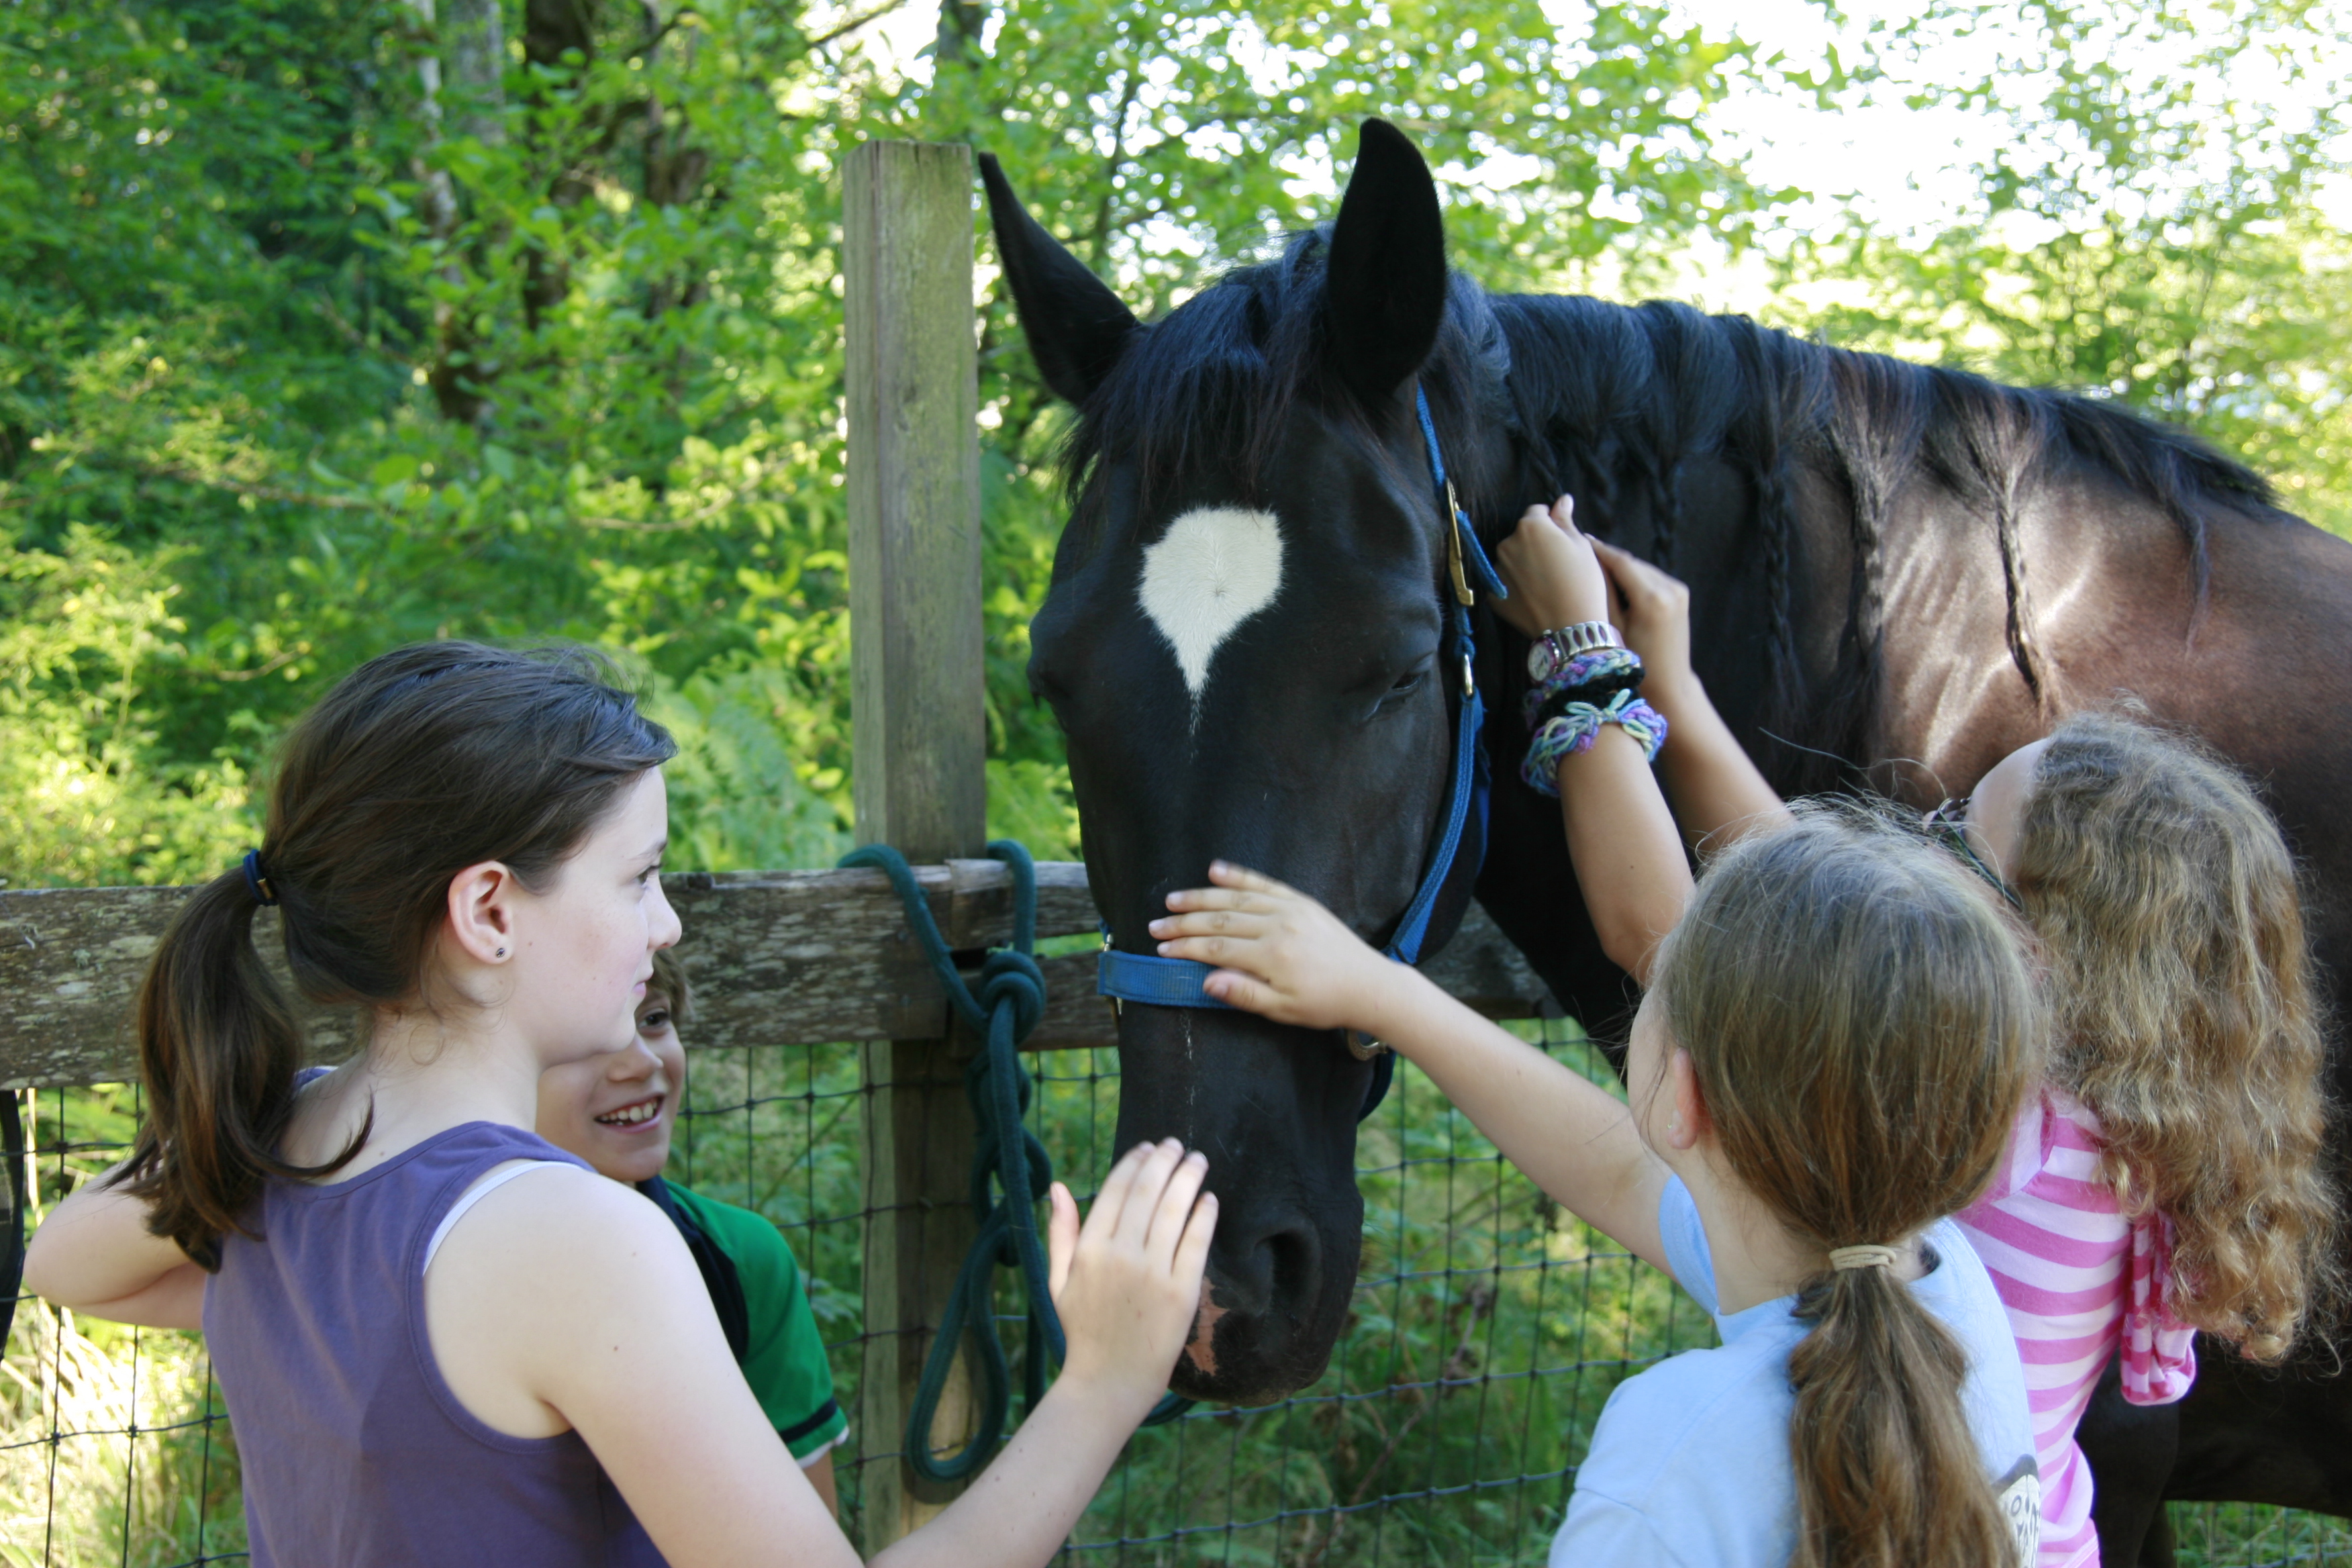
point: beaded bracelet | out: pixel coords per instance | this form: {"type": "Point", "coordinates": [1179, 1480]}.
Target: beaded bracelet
{"type": "Point", "coordinates": [1589, 676]}
{"type": "Point", "coordinates": [1577, 728]}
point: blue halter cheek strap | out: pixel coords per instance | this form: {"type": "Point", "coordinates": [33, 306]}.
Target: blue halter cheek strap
{"type": "Point", "coordinates": [1177, 981]}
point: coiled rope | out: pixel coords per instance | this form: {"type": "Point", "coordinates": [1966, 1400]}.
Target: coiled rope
{"type": "Point", "coordinates": [1003, 1010]}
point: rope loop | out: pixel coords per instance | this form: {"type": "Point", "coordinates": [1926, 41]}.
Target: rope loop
{"type": "Point", "coordinates": [1010, 1173]}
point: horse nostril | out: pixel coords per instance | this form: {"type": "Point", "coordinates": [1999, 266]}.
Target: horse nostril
{"type": "Point", "coordinates": [1282, 1263]}
{"type": "Point", "coordinates": [1297, 1263]}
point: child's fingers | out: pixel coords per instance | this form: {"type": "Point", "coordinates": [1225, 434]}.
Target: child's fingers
{"type": "Point", "coordinates": [1168, 1215]}
{"type": "Point", "coordinates": [1242, 953]}
{"type": "Point", "coordinates": [1191, 1264]}
{"type": "Point", "coordinates": [1193, 899]}
{"type": "Point", "coordinates": [1102, 1220]}
{"type": "Point", "coordinates": [1226, 874]}
{"type": "Point", "coordinates": [1564, 515]}
{"type": "Point", "coordinates": [1231, 921]}
{"type": "Point", "coordinates": [1248, 992]}
{"type": "Point", "coordinates": [1143, 1195]}
{"type": "Point", "coordinates": [1634, 574]}
{"type": "Point", "coordinates": [1061, 1237]}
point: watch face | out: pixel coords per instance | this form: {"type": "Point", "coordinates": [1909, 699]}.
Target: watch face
{"type": "Point", "coordinates": [1541, 658]}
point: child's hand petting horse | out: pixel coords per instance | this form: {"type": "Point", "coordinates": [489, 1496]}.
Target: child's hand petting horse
{"type": "Point", "coordinates": [1278, 951]}
{"type": "Point", "coordinates": [1127, 1283]}
{"type": "Point", "coordinates": [1550, 569]}
{"type": "Point", "coordinates": [1652, 610]}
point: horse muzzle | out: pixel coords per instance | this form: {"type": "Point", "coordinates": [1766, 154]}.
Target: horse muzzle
{"type": "Point", "coordinates": [1274, 1109]}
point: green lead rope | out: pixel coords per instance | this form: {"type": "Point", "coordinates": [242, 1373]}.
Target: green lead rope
{"type": "Point", "coordinates": [1003, 1010]}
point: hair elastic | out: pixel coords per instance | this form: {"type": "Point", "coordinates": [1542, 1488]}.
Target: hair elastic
{"type": "Point", "coordinates": [256, 880]}
{"type": "Point", "coordinates": [1863, 1256]}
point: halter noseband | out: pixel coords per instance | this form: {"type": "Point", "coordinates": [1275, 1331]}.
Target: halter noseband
{"type": "Point", "coordinates": [1177, 981]}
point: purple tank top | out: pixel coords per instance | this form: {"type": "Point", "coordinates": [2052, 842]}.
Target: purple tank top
{"type": "Point", "coordinates": [355, 1452]}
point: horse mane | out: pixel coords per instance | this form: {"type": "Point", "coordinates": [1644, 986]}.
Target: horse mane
{"type": "Point", "coordinates": [1613, 403]}
{"type": "Point", "coordinates": [1213, 382]}
{"type": "Point", "coordinates": [1621, 398]}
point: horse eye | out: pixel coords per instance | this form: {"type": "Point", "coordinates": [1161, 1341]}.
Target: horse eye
{"type": "Point", "coordinates": [1410, 681]}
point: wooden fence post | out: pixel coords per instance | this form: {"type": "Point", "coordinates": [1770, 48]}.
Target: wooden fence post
{"type": "Point", "coordinates": [918, 742]}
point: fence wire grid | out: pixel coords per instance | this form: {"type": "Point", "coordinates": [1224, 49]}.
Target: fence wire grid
{"type": "Point", "coordinates": [1487, 1330]}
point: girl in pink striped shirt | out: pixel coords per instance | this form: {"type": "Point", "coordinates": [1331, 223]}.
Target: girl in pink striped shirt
{"type": "Point", "coordinates": [2168, 1178]}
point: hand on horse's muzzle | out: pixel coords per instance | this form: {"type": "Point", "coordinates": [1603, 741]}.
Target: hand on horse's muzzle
{"type": "Point", "coordinates": [1128, 1281]}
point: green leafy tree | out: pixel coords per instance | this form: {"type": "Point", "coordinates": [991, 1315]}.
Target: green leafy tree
{"type": "Point", "coordinates": [2148, 228]}
{"type": "Point", "coordinates": [354, 322]}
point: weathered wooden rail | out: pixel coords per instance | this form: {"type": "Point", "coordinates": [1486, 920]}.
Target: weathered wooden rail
{"type": "Point", "coordinates": [776, 958]}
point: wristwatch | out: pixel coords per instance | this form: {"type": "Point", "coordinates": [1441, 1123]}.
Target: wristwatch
{"type": "Point", "coordinates": [1553, 649]}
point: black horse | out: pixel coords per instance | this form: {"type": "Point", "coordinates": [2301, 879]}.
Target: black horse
{"type": "Point", "coordinates": [1243, 643]}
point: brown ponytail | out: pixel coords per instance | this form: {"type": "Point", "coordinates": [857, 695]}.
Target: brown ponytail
{"type": "Point", "coordinates": [419, 763]}
{"type": "Point", "coordinates": [1862, 1054]}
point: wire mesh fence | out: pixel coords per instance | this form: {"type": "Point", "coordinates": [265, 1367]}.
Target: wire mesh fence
{"type": "Point", "coordinates": [1488, 1329]}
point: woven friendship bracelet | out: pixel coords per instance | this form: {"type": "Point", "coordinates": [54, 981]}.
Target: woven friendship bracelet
{"type": "Point", "coordinates": [1576, 730]}
{"type": "Point", "coordinates": [1603, 670]}
{"type": "Point", "coordinates": [1596, 691]}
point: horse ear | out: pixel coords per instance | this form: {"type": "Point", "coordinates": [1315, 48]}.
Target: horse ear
{"type": "Point", "coordinates": [1076, 327]}
{"type": "Point", "coordinates": [1386, 291]}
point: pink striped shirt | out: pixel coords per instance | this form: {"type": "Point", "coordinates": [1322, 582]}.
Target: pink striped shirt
{"type": "Point", "coordinates": [2081, 1283]}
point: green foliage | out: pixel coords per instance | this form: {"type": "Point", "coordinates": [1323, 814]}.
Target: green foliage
{"type": "Point", "coordinates": [86, 792]}
{"type": "Point", "coordinates": [330, 364]}
{"type": "Point", "coordinates": [2149, 231]}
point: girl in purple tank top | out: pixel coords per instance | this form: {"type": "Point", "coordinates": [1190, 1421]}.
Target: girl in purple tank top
{"type": "Point", "coordinates": [441, 1339]}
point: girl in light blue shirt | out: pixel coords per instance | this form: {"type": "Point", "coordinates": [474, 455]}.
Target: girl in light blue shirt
{"type": "Point", "coordinates": [1837, 1032]}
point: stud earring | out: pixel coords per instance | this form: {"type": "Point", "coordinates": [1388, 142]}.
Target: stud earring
{"type": "Point", "coordinates": [502, 953]}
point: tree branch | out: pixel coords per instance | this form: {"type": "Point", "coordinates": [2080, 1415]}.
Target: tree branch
{"type": "Point", "coordinates": [871, 14]}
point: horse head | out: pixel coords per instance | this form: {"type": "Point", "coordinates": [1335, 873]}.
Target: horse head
{"type": "Point", "coordinates": [1246, 643]}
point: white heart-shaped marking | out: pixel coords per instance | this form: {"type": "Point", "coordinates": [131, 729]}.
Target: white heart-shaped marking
{"type": "Point", "coordinates": [1215, 568]}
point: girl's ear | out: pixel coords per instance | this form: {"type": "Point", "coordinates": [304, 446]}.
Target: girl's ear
{"type": "Point", "coordinates": [481, 913]}
{"type": "Point", "coordinates": [1690, 1122]}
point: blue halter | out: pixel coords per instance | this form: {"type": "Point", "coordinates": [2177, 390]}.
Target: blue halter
{"type": "Point", "coordinates": [1177, 981]}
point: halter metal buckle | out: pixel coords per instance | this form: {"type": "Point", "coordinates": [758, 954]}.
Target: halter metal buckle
{"type": "Point", "coordinates": [1462, 595]}
{"type": "Point", "coordinates": [1117, 1004]}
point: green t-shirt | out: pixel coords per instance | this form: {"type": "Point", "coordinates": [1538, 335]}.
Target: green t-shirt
{"type": "Point", "coordinates": [784, 1363]}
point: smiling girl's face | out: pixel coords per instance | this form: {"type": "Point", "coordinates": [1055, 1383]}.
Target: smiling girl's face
{"type": "Point", "coordinates": [615, 1110]}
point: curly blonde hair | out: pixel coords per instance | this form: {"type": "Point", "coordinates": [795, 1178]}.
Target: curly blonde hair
{"type": "Point", "coordinates": [2166, 904]}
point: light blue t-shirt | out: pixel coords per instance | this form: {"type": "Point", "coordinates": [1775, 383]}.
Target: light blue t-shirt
{"type": "Point", "coordinates": [1690, 1463]}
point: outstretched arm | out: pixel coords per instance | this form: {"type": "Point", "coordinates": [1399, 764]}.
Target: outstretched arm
{"type": "Point", "coordinates": [1285, 957]}
{"type": "Point", "coordinates": [1621, 836]}
{"type": "Point", "coordinates": [1718, 792]}
{"type": "Point", "coordinates": [572, 1301]}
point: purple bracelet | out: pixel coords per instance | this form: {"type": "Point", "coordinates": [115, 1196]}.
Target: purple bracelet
{"type": "Point", "coordinates": [1600, 664]}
